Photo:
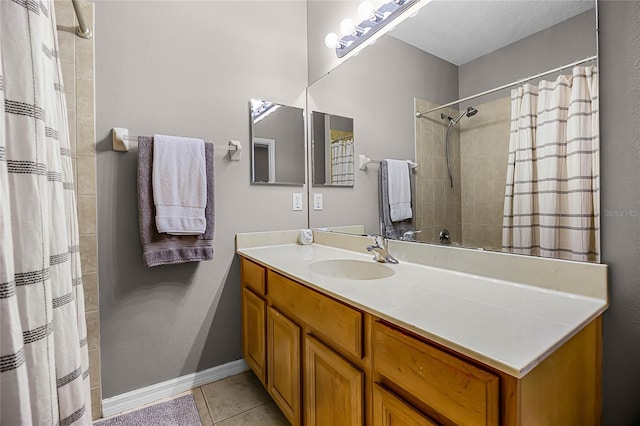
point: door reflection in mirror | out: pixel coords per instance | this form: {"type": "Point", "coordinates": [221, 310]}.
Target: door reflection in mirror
{"type": "Point", "coordinates": [333, 150]}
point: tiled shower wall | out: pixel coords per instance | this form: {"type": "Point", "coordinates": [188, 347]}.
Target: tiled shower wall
{"type": "Point", "coordinates": [77, 60]}
{"type": "Point", "coordinates": [438, 205]}
{"type": "Point", "coordinates": [484, 150]}
{"type": "Point", "coordinates": [479, 146]}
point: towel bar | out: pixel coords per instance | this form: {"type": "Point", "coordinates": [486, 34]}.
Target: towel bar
{"type": "Point", "coordinates": [120, 140]}
{"type": "Point", "coordinates": [364, 160]}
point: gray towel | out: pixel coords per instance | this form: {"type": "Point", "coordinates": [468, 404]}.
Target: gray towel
{"type": "Point", "coordinates": [164, 249]}
{"type": "Point", "coordinates": [389, 229]}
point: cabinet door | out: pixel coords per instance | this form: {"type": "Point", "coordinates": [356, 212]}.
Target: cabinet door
{"type": "Point", "coordinates": [253, 329]}
{"type": "Point", "coordinates": [389, 410]}
{"type": "Point", "coordinates": [332, 388]}
{"type": "Point", "coordinates": [284, 364]}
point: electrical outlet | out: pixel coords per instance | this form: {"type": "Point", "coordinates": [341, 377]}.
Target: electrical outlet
{"type": "Point", "coordinates": [317, 201]}
{"type": "Point", "coordinates": [297, 201]}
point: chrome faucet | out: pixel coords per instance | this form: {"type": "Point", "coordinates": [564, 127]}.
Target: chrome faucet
{"type": "Point", "coordinates": [410, 236]}
{"type": "Point", "coordinates": [380, 250]}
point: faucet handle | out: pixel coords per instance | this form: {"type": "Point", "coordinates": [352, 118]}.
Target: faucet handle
{"type": "Point", "coordinates": [379, 241]}
{"type": "Point", "coordinates": [409, 235]}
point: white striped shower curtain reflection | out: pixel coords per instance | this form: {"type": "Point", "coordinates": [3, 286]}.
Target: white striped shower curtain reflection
{"type": "Point", "coordinates": [44, 377]}
{"type": "Point", "coordinates": [342, 170]}
{"type": "Point", "coordinates": [552, 206]}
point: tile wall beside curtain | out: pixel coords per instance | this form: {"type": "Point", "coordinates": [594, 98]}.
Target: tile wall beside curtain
{"type": "Point", "coordinates": [438, 205]}
{"type": "Point", "coordinates": [484, 150]}
{"type": "Point", "coordinates": [77, 60]}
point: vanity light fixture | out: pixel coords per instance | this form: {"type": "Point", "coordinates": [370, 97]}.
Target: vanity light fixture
{"type": "Point", "coordinates": [261, 109]}
{"type": "Point", "coordinates": [372, 20]}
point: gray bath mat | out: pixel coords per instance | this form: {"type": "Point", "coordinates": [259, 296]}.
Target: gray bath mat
{"type": "Point", "coordinates": [181, 411]}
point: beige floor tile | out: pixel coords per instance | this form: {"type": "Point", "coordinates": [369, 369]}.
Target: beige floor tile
{"type": "Point", "coordinates": [234, 395]}
{"type": "Point", "coordinates": [203, 410]}
{"type": "Point", "coordinates": [265, 415]}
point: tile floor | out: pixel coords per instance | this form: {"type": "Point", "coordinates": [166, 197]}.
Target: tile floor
{"type": "Point", "coordinates": [237, 401]}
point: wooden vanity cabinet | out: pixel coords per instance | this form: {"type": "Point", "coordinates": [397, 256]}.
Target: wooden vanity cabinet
{"type": "Point", "coordinates": [333, 387]}
{"type": "Point", "coordinates": [325, 362]}
{"type": "Point", "coordinates": [294, 336]}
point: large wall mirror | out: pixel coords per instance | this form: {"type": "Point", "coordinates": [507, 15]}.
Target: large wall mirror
{"type": "Point", "coordinates": [277, 144]}
{"type": "Point", "coordinates": [513, 170]}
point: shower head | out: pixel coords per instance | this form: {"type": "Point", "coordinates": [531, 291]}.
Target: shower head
{"type": "Point", "coordinates": [471, 111]}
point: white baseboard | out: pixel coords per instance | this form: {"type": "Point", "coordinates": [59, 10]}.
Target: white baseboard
{"type": "Point", "coordinates": [136, 398]}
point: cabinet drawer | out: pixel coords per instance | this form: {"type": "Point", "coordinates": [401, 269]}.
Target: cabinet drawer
{"type": "Point", "coordinates": [337, 322]}
{"type": "Point", "coordinates": [253, 276]}
{"type": "Point", "coordinates": [461, 392]}
{"type": "Point", "coordinates": [389, 410]}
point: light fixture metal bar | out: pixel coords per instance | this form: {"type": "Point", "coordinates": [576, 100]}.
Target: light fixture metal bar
{"type": "Point", "coordinates": [351, 42]}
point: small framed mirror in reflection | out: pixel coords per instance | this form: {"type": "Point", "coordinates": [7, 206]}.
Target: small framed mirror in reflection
{"type": "Point", "coordinates": [332, 150]}
{"type": "Point", "coordinates": [277, 144]}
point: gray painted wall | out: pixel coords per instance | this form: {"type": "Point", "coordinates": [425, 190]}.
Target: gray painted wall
{"type": "Point", "coordinates": [620, 183]}
{"type": "Point", "coordinates": [185, 68]}
{"type": "Point", "coordinates": [553, 47]}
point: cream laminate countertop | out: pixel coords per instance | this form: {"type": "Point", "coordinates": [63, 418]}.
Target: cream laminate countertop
{"type": "Point", "coordinates": [509, 326]}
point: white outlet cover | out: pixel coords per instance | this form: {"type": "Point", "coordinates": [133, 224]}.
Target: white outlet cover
{"type": "Point", "coordinates": [297, 201]}
{"type": "Point", "coordinates": [317, 201]}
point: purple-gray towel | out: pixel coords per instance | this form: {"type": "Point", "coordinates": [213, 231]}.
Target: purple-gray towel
{"type": "Point", "coordinates": [165, 249]}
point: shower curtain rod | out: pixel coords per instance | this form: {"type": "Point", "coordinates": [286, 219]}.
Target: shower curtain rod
{"type": "Point", "coordinates": [81, 30]}
{"type": "Point", "coordinates": [506, 86]}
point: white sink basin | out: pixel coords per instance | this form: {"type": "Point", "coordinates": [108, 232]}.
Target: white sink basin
{"type": "Point", "coordinates": [351, 269]}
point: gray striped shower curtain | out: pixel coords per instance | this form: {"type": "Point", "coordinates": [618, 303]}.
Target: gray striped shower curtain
{"type": "Point", "coordinates": [44, 377]}
{"type": "Point", "coordinates": [551, 205]}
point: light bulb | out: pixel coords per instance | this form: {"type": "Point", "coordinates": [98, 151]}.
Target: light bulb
{"type": "Point", "coordinates": [366, 10]}
{"type": "Point", "coordinates": [331, 41]}
{"type": "Point", "coordinates": [347, 27]}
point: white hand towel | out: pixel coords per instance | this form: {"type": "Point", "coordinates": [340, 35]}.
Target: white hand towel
{"type": "Point", "coordinates": [399, 188]}
{"type": "Point", "coordinates": [179, 185]}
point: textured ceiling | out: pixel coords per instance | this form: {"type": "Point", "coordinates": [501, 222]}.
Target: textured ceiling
{"type": "Point", "coordinates": [459, 31]}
